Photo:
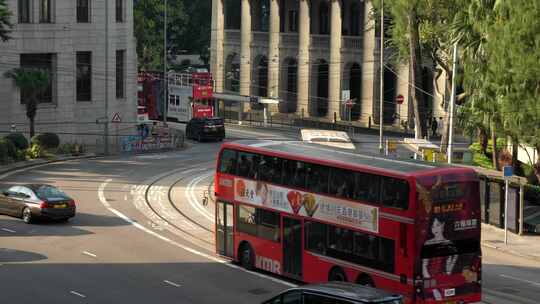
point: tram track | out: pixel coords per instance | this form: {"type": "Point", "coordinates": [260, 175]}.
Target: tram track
{"type": "Point", "coordinates": [169, 198]}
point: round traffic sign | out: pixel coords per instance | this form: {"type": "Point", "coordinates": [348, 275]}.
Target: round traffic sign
{"type": "Point", "coordinates": [400, 99]}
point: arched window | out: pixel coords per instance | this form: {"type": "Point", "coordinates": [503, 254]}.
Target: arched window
{"type": "Point", "coordinates": [288, 86]}
{"type": "Point", "coordinates": [232, 73]}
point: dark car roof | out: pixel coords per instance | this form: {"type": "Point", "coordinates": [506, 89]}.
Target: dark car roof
{"type": "Point", "coordinates": [317, 152]}
{"type": "Point", "coordinates": [350, 291]}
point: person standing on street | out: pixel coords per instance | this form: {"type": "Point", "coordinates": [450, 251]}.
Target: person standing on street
{"type": "Point", "coordinates": [440, 125]}
{"type": "Point", "coordinates": [434, 126]}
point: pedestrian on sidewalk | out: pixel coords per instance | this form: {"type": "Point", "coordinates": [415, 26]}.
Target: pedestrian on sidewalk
{"type": "Point", "coordinates": [440, 128]}
{"type": "Point", "coordinates": [434, 126]}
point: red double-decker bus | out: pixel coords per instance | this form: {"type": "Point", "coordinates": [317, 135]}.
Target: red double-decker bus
{"type": "Point", "coordinates": [316, 214]}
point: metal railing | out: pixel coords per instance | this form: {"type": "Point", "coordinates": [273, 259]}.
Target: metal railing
{"type": "Point", "coordinates": [352, 43]}
{"type": "Point", "coordinates": [289, 40]}
{"type": "Point", "coordinates": [232, 37]}
{"type": "Point", "coordinates": [320, 42]}
{"type": "Point", "coordinates": [260, 38]}
{"type": "Point", "coordinates": [180, 79]}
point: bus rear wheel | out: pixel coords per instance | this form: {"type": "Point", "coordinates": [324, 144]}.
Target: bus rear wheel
{"type": "Point", "coordinates": [246, 256]}
{"type": "Point", "coordinates": [337, 275]}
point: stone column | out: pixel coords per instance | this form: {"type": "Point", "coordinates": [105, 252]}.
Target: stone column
{"type": "Point", "coordinates": [334, 68]}
{"type": "Point", "coordinates": [369, 68]}
{"type": "Point", "coordinates": [217, 35]}
{"type": "Point", "coordinates": [273, 53]}
{"type": "Point", "coordinates": [303, 57]}
{"type": "Point", "coordinates": [245, 49]}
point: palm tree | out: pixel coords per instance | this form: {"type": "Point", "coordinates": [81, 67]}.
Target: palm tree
{"type": "Point", "coordinates": [33, 82]}
{"type": "Point", "coordinates": [5, 23]}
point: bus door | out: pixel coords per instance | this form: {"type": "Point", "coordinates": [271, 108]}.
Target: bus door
{"type": "Point", "coordinates": [224, 229]}
{"type": "Point", "coordinates": [292, 247]}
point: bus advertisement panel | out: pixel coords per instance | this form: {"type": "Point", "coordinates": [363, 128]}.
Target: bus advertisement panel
{"type": "Point", "coordinates": [306, 204]}
{"type": "Point", "coordinates": [448, 230]}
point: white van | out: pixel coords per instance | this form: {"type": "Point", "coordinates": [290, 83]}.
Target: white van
{"type": "Point", "coordinates": [337, 139]}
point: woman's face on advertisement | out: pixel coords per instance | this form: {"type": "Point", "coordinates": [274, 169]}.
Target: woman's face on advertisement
{"type": "Point", "coordinates": [437, 228]}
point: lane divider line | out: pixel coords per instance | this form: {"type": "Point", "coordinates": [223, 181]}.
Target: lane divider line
{"type": "Point", "coordinates": [77, 294]}
{"type": "Point", "coordinates": [521, 280]}
{"type": "Point", "coordinates": [8, 230]}
{"type": "Point", "coordinates": [171, 283]}
{"type": "Point", "coordinates": [89, 254]}
{"type": "Point", "coordinates": [104, 202]}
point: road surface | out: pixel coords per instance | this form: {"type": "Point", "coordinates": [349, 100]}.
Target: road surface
{"type": "Point", "coordinates": [141, 235]}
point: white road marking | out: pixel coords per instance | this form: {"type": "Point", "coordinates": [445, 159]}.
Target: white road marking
{"type": "Point", "coordinates": [521, 280]}
{"type": "Point", "coordinates": [89, 254]}
{"type": "Point", "coordinates": [192, 199]}
{"type": "Point", "coordinates": [171, 283]}
{"type": "Point", "coordinates": [188, 225]}
{"type": "Point", "coordinates": [78, 294]}
{"type": "Point", "coordinates": [8, 230]}
{"type": "Point", "coordinates": [104, 202]}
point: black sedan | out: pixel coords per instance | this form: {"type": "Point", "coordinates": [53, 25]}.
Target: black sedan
{"type": "Point", "coordinates": [34, 201]}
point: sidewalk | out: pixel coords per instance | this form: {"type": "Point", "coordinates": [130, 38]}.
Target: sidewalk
{"type": "Point", "coordinates": [36, 162]}
{"type": "Point", "coordinates": [523, 246]}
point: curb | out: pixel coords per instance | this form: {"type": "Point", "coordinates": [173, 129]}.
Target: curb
{"type": "Point", "coordinates": [39, 162]}
{"type": "Point", "coordinates": [510, 251]}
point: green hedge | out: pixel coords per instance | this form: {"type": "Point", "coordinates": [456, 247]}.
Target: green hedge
{"type": "Point", "coordinates": [10, 149]}
{"type": "Point", "coordinates": [3, 152]}
{"type": "Point", "coordinates": [19, 140]}
{"type": "Point", "coordinates": [46, 140]}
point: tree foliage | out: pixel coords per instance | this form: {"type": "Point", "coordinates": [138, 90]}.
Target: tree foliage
{"type": "Point", "coordinates": [188, 29]}
{"type": "Point", "coordinates": [34, 82]}
{"type": "Point", "coordinates": [513, 50]}
{"type": "Point", "coordinates": [499, 47]}
{"type": "Point", "coordinates": [5, 23]}
{"type": "Point", "coordinates": [418, 34]}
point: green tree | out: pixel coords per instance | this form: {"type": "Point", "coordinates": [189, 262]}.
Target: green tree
{"type": "Point", "coordinates": [5, 23]}
{"type": "Point", "coordinates": [188, 30]}
{"type": "Point", "coordinates": [33, 82]}
{"type": "Point", "coordinates": [470, 29]}
{"type": "Point", "coordinates": [514, 67]}
{"type": "Point", "coordinates": [419, 34]}
{"type": "Point", "coordinates": [149, 33]}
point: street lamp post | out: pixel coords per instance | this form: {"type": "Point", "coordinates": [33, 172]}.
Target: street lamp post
{"type": "Point", "coordinates": [381, 77]}
{"type": "Point", "coordinates": [106, 126]}
{"type": "Point", "coordinates": [165, 76]}
{"type": "Point", "coordinates": [450, 149]}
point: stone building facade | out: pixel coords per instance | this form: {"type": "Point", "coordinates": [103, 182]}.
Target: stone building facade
{"type": "Point", "coordinates": [68, 38]}
{"type": "Point", "coordinates": [313, 55]}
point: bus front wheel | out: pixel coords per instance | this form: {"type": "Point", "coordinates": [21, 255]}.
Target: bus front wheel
{"type": "Point", "coordinates": [365, 279]}
{"type": "Point", "coordinates": [337, 274]}
{"type": "Point", "coordinates": [246, 256]}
